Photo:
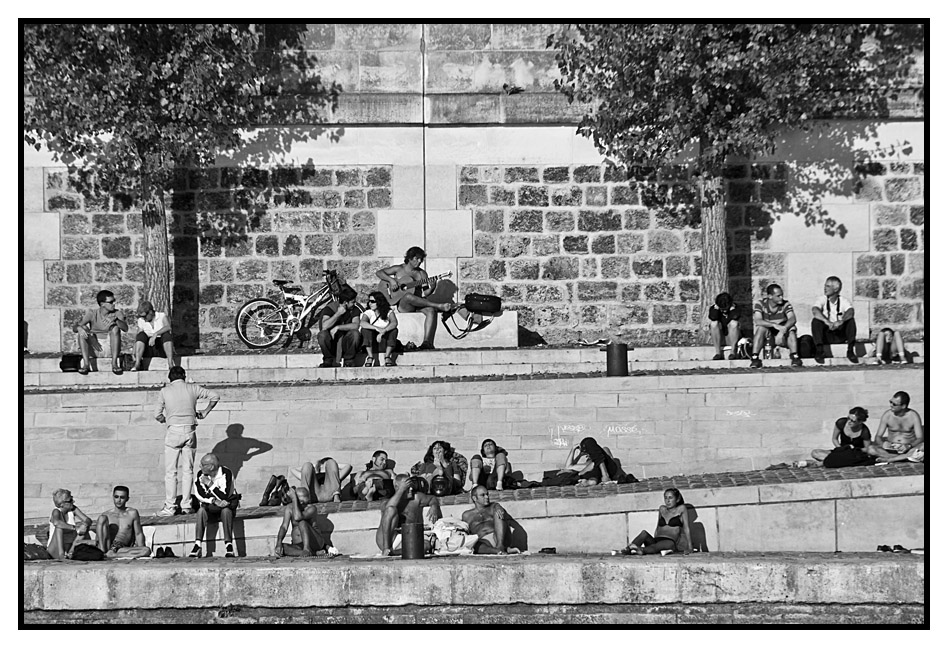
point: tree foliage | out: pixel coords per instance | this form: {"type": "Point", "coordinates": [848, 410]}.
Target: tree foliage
{"type": "Point", "coordinates": [123, 105]}
{"type": "Point", "coordinates": [656, 89]}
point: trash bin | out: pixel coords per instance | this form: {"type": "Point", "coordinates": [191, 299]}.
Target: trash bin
{"type": "Point", "coordinates": [617, 359]}
{"type": "Point", "coordinates": [413, 541]}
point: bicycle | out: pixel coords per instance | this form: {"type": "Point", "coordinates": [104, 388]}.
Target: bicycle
{"type": "Point", "coordinates": [262, 322]}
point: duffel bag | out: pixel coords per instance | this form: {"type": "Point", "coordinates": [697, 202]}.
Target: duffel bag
{"type": "Point", "coordinates": [482, 304]}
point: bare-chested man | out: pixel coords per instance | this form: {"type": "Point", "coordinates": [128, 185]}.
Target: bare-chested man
{"type": "Point", "coordinates": [489, 521]}
{"type": "Point", "coordinates": [300, 514]}
{"type": "Point", "coordinates": [68, 526]}
{"type": "Point", "coordinates": [414, 298]}
{"type": "Point", "coordinates": [406, 505]}
{"type": "Point", "coordinates": [119, 531]}
{"type": "Point", "coordinates": [900, 436]}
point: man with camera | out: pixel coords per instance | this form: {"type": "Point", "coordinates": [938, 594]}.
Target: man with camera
{"type": "Point", "coordinates": [405, 506]}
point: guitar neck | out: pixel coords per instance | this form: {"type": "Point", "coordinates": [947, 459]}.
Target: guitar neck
{"type": "Point", "coordinates": [430, 280]}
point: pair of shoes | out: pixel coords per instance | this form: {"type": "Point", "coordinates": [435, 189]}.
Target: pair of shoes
{"type": "Point", "coordinates": [547, 550]}
{"type": "Point", "coordinates": [326, 364]}
{"type": "Point", "coordinates": [229, 550]}
{"type": "Point", "coordinates": [756, 363]}
{"type": "Point", "coordinates": [426, 346]}
{"type": "Point", "coordinates": [795, 361]}
{"type": "Point", "coordinates": [389, 362]}
{"type": "Point", "coordinates": [884, 548]}
{"type": "Point", "coordinates": [164, 552]}
{"type": "Point", "coordinates": [195, 551]}
{"type": "Point", "coordinates": [899, 549]}
{"type": "Point", "coordinates": [371, 362]}
{"type": "Point", "coordinates": [167, 511]}
{"type": "Point", "coordinates": [160, 553]}
{"type": "Point", "coordinates": [718, 356]}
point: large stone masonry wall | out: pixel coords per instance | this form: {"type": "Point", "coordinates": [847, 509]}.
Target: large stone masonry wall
{"type": "Point", "coordinates": [231, 232]}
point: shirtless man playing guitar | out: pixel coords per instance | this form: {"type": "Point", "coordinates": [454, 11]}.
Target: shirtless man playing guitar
{"type": "Point", "coordinates": [407, 285]}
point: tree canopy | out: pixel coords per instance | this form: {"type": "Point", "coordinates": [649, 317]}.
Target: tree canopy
{"type": "Point", "coordinates": [655, 89]}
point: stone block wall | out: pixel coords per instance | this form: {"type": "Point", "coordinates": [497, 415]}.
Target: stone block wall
{"type": "Point", "coordinates": [231, 232]}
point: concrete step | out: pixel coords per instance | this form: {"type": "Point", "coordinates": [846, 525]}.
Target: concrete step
{"type": "Point", "coordinates": [774, 586]}
{"type": "Point", "coordinates": [44, 373]}
{"type": "Point", "coordinates": [660, 424]}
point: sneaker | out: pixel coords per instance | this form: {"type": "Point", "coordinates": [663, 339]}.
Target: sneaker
{"type": "Point", "coordinates": [167, 511]}
{"type": "Point", "coordinates": [195, 551]}
{"type": "Point", "coordinates": [229, 550]}
{"type": "Point", "coordinates": [169, 553]}
{"type": "Point", "coordinates": [756, 363]}
{"type": "Point", "coordinates": [326, 364]}
{"type": "Point", "coordinates": [331, 551]}
{"type": "Point", "coordinates": [795, 361]}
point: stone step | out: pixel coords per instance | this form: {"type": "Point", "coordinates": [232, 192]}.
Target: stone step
{"type": "Point", "coordinates": [750, 587]}
{"type": "Point", "coordinates": [44, 373]}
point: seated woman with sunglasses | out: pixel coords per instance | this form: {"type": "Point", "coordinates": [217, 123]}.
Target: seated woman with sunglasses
{"type": "Point", "coordinates": [379, 327]}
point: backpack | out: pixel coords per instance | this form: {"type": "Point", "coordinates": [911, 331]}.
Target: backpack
{"type": "Point", "coordinates": [743, 349]}
{"type": "Point", "coordinates": [87, 552]}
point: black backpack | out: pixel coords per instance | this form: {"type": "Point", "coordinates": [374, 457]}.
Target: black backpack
{"type": "Point", "coordinates": [70, 362]}
{"type": "Point", "coordinates": [87, 552]}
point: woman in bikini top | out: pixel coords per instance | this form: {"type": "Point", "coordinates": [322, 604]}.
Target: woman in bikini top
{"type": "Point", "coordinates": [672, 523]}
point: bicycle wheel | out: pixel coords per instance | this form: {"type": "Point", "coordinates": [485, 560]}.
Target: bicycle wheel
{"type": "Point", "coordinates": [260, 323]}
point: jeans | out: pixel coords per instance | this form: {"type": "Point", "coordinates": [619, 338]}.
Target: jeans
{"type": "Point", "coordinates": [180, 441]}
{"type": "Point", "coordinates": [328, 344]}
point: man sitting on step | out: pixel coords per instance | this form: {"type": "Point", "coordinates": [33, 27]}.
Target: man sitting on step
{"type": "Point", "coordinates": [215, 491]}
{"type": "Point", "coordinates": [68, 526]}
{"type": "Point", "coordinates": [405, 506]}
{"type": "Point", "coordinates": [411, 301]}
{"type": "Point", "coordinates": [104, 320]}
{"type": "Point", "coordinates": [489, 521]}
{"type": "Point", "coordinates": [119, 531]}
{"type": "Point", "coordinates": [301, 515]}
{"type": "Point", "coordinates": [833, 321]}
{"type": "Point", "coordinates": [774, 316]}
{"type": "Point", "coordinates": [339, 324]}
{"type": "Point", "coordinates": [901, 436]}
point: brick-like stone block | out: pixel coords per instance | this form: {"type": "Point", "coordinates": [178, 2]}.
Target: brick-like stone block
{"type": "Point", "coordinates": [491, 220]}
{"type": "Point", "coordinates": [354, 199]}
{"type": "Point", "coordinates": [267, 245]}
{"type": "Point", "coordinates": [252, 270]}
{"type": "Point", "coordinates": [586, 174]}
{"type": "Point", "coordinates": [884, 240]}
{"type": "Point", "coordinates": [918, 214]}
{"type": "Point", "coordinates": [886, 313]}
{"type": "Point", "coordinates": [458, 36]}
{"type": "Point", "coordinates": [497, 270]}
{"type": "Point", "coordinates": [677, 266]}
{"type": "Point", "coordinates": [867, 288]}
{"type": "Point", "coordinates": [61, 202]}
{"type": "Point", "coordinates": [870, 264]}
{"type": "Point", "coordinates": [78, 273]}
{"type": "Point", "coordinates": [589, 268]}
{"type": "Point", "coordinates": [903, 189]}
{"type": "Point", "coordinates": [76, 223]}
{"type": "Point", "coordinates": [630, 243]}
{"type": "Point", "coordinates": [625, 195]}
{"type": "Point", "coordinates": [335, 221]}
{"type": "Point", "coordinates": [559, 221]}
{"type": "Point", "coordinates": [735, 171]}
{"type": "Point", "coordinates": [318, 244]}
{"type": "Point", "coordinates": [596, 290]}
{"type": "Point", "coordinates": [604, 244]}
{"type": "Point", "coordinates": [558, 268]}
{"type": "Point", "coordinates": [896, 264]}
{"type": "Point", "coordinates": [356, 245]}
{"type": "Point", "coordinates": [890, 215]}
{"type": "Point", "coordinates": [379, 198]}
{"type": "Point", "coordinates": [80, 247]}
{"type": "Point", "coordinates": [576, 244]}
{"type": "Point", "coordinates": [526, 220]}
{"type": "Point", "coordinates": [501, 196]}
{"type": "Point", "coordinates": [557, 174]}
{"type": "Point", "coordinates": [108, 224]}
{"type": "Point", "coordinates": [521, 174]}
{"type": "Point", "coordinates": [912, 289]}
{"type": "Point", "coordinates": [55, 272]}
{"type": "Point", "coordinates": [485, 244]}
{"type": "Point", "coordinates": [108, 272]}
{"type": "Point", "coordinates": [908, 238]}
{"type": "Point", "coordinates": [618, 267]}
{"type": "Point", "coordinates": [636, 219]}
{"type": "Point", "coordinates": [546, 245]}
{"type": "Point", "coordinates": [689, 290]}
{"type": "Point", "coordinates": [524, 269]}
{"type": "Point", "coordinates": [770, 265]}
{"type": "Point", "coordinates": [468, 174]}
{"type": "Point", "coordinates": [660, 291]}
{"type": "Point", "coordinates": [292, 245]}
{"type": "Point", "coordinates": [868, 189]}
{"type": "Point", "coordinates": [118, 247]}
{"type": "Point", "coordinates": [597, 196]}
{"type": "Point", "coordinates": [594, 221]}
{"type": "Point", "coordinates": [472, 195]}
{"type": "Point", "coordinates": [378, 177]}
{"type": "Point", "coordinates": [235, 246]}
{"type": "Point", "coordinates": [742, 192]}
{"type": "Point", "coordinates": [647, 268]}
{"type": "Point", "coordinates": [513, 246]}
{"type": "Point", "coordinates": [663, 242]}
{"type": "Point", "coordinates": [62, 296]}
{"type": "Point", "coordinates": [310, 270]}
{"type": "Point", "coordinates": [669, 314]}
{"type": "Point", "coordinates": [567, 197]}
{"type": "Point", "coordinates": [627, 314]}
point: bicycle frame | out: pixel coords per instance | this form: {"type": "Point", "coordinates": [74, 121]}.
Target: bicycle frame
{"type": "Point", "coordinates": [312, 301]}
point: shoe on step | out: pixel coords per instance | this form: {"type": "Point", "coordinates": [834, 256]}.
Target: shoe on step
{"type": "Point", "coordinates": [160, 553]}
{"type": "Point", "coordinates": [167, 511]}
{"type": "Point", "coordinates": [169, 553]}
{"type": "Point", "coordinates": [796, 362]}
{"type": "Point", "coordinates": [756, 363]}
{"type": "Point", "coordinates": [229, 550]}
{"type": "Point", "coordinates": [195, 551]}
{"type": "Point", "coordinates": [718, 356]}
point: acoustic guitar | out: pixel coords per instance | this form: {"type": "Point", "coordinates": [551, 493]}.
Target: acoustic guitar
{"type": "Point", "coordinates": [407, 285]}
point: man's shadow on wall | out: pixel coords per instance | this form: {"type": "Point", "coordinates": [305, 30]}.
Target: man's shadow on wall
{"type": "Point", "coordinates": [236, 449]}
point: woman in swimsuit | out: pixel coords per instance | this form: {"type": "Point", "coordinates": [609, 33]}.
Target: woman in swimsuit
{"type": "Point", "coordinates": [849, 431]}
{"type": "Point", "coordinates": [672, 523]}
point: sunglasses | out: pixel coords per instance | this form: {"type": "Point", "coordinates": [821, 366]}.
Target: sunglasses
{"type": "Point", "coordinates": [896, 403]}
{"type": "Point", "coordinates": [109, 301]}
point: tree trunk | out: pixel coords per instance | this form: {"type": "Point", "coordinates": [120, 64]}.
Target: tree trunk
{"type": "Point", "coordinates": [157, 288]}
{"type": "Point", "coordinates": [713, 249]}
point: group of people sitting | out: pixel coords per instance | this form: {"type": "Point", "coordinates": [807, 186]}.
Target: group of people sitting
{"type": "Point", "coordinates": [775, 325]}
{"type": "Point", "coordinates": [899, 437]}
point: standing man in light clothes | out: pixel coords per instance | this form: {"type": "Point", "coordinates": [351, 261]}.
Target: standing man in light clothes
{"type": "Point", "coordinates": [177, 406]}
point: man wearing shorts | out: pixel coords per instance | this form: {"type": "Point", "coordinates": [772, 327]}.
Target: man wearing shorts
{"type": "Point", "coordinates": [104, 320]}
{"type": "Point", "coordinates": [119, 531]}
{"type": "Point", "coordinates": [901, 436]}
{"type": "Point", "coordinates": [405, 506]}
{"type": "Point", "coordinates": [154, 335]}
{"type": "Point", "coordinates": [301, 516]}
{"type": "Point", "coordinates": [489, 521]}
{"type": "Point", "coordinates": [773, 315]}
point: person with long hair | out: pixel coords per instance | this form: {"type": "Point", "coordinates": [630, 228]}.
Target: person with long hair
{"type": "Point", "coordinates": [593, 463]}
{"type": "Point", "coordinates": [490, 468]}
{"type": "Point", "coordinates": [672, 524]}
{"type": "Point", "coordinates": [849, 431]}
{"type": "Point", "coordinates": [438, 463]}
{"type": "Point", "coordinates": [379, 330]}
